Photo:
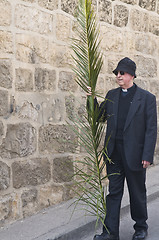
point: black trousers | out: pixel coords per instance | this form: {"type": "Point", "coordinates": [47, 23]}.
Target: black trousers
{"type": "Point", "coordinates": [137, 192]}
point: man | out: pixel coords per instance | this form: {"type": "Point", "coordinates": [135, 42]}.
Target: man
{"type": "Point", "coordinates": [132, 127]}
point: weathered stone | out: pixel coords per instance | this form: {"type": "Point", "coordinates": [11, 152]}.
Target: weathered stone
{"type": "Point", "coordinates": [3, 102]}
{"type": "Point", "coordinates": [5, 13]}
{"type": "Point", "coordinates": [31, 1]}
{"type": "Point", "coordinates": [135, 19]}
{"type": "Point", "coordinates": [139, 21]}
{"type": "Point", "coordinates": [60, 56]}
{"type": "Point", "coordinates": [6, 42]}
{"type": "Point", "coordinates": [133, 2]}
{"type": "Point", "coordinates": [100, 87]}
{"type": "Point", "coordinates": [54, 109]}
{"type": "Point", "coordinates": [20, 141]}
{"type": "Point", "coordinates": [63, 27]}
{"type": "Point", "coordinates": [112, 62]}
{"type": "Point", "coordinates": [67, 82]}
{"type": "Point", "coordinates": [70, 107]}
{"type": "Point", "coordinates": [31, 173]}
{"type": "Point", "coordinates": [48, 4]}
{"type": "Point", "coordinates": [4, 176]}
{"type": "Point", "coordinates": [29, 202]}
{"type": "Point", "coordinates": [69, 6]}
{"type": "Point", "coordinates": [31, 49]}
{"type": "Point", "coordinates": [45, 79]}
{"type": "Point", "coordinates": [105, 11]}
{"type": "Point", "coordinates": [129, 42]}
{"type": "Point", "coordinates": [29, 111]}
{"type": "Point", "coordinates": [145, 22]}
{"type": "Point", "coordinates": [145, 44]}
{"type": "Point", "coordinates": [57, 139]}
{"type": "Point", "coordinates": [1, 129]}
{"type": "Point", "coordinates": [5, 74]}
{"type": "Point", "coordinates": [24, 80]}
{"type": "Point", "coordinates": [148, 4]}
{"type": "Point", "coordinates": [109, 41]}
{"type": "Point", "coordinates": [8, 209]}
{"type": "Point", "coordinates": [154, 88]}
{"type": "Point", "coordinates": [32, 19]}
{"type": "Point", "coordinates": [146, 67]}
{"type": "Point", "coordinates": [121, 14]}
{"type": "Point", "coordinates": [62, 169]}
{"type": "Point", "coordinates": [50, 195]}
{"type": "Point", "coordinates": [154, 25]}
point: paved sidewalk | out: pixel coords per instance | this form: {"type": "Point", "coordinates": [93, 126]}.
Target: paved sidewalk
{"type": "Point", "coordinates": [54, 223]}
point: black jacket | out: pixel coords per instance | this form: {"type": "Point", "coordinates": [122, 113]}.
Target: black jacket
{"type": "Point", "coordinates": [140, 131]}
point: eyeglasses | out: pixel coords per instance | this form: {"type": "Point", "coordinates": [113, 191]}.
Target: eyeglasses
{"type": "Point", "coordinates": [121, 73]}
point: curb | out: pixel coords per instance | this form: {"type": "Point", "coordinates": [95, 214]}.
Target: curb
{"type": "Point", "coordinates": [81, 231]}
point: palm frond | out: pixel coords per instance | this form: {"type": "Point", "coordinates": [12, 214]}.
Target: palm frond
{"type": "Point", "coordinates": [89, 184]}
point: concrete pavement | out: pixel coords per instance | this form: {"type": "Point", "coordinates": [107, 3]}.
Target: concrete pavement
{"type": "Point", "coordinates": [54, 223]}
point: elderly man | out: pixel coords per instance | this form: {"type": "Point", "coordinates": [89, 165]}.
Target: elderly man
{"type": "Point", "coordinates": [132, 127]}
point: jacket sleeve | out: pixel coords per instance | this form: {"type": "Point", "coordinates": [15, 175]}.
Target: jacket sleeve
{"type": "Point", "coordinates": [151, 129]}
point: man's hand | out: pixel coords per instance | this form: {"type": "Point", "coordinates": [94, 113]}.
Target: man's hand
{"type": "Point", "coordinates": [145, 164]}
{"type": "Point", "coordinates": [89, 93]}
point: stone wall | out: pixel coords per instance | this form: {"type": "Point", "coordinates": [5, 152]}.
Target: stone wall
{"type": "Point", "coordinates": [38, 93]}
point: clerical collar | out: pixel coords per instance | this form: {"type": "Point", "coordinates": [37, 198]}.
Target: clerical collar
{"type": "Point", "coordinates": [128, 89]}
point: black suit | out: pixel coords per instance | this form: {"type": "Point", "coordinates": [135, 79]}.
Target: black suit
{"type": "Point", "coordinates": [138, 144]}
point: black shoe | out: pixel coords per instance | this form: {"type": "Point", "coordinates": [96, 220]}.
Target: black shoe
{"type": "Point", "coordinates": [139, 235]}
{"type": "Point", "coordinates": [105, 236]}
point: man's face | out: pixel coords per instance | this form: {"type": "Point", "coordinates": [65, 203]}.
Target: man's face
{"type": "Point", "coordinates": [124, 80]}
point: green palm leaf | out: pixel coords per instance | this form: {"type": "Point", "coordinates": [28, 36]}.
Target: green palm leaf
{"type": "Point", "coordinates": [88, 62]}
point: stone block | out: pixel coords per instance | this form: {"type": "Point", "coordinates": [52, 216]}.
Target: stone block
{"type": "Point", "coordinates": [32, 19]}
{"type": "Point", "coordinates": [29, 202]}
{"type": "Point", "coordinates": [154, 88]}
{"type": "Point", "coordinates": [20, 141]}
{"type": "Point", "coordinates": [4, 176]}
{"type": "Point", "coordinates": [31, 49]}
{"type": "Point", "coordinates": [9, 211]}
{"type": "Point", "coordinates": [154, 25]}
{"type": "Point", "coordinates": [63, 169]}
{"type": "Point", "coordinates": [6, 44]}
{"type": "Point", "coordinates": [63, 27]}
{"type": "Point", "coordinates": [105, 11]}
{"type": "Point", "coordinates": [45, 79]}
{"type": "Point", "coordinates": [109, 41]}
{"type": "Point", "coordinates": [30, 1]}
{"type": "Point", "coordinates": [3, 103]}
{"type": "Point", "coordinates": [24, 80]}
{"type": "Point", "coordinates": [5, 13]}
{"type": "Point", "coordinates": [121, 14]}
{"type": "Point", "coordinates": [49, 4]}
{"type": "Point", "coordinates": [31, 173]}
{"type": "Point", "coordinates": [69, 6]}
{"type": "Point", "coordinates": [57, 139]}
{"type": "Point", "coordinates": [148, 4]}
{"type": "Point", "coordinates": [139, 21]}
{"type": "Point", "coordinates": [70, 107]}
{"type": "Point", "coordinates": [132, 2]}
{"type": "Point", "coordinates": [28, 111]}
{"type": "Point", "coordinates": [67, 82]}
{"type": "Point", "coordinates": [145, 44]}
{"type": "Point", "coordinates": [50, 195]}
{"type": "Point", "coordinates": [1, 129]}
{"type": "Point", "coordinates": [146, 67]}
{"type": "Point", "coordinates": [53, 109]}
{"type": "Point", "coordinates": [145, 22]}
{"type": "Point", "coordinates": [60, 56]}
{"type": "Point", "coordinates": [5, 74]}
{"type": "Point", "coordinates": [135, 19]}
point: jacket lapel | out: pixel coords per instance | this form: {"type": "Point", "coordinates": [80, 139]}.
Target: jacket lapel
{"type": "Point", "coordinates": [133, 107]}
{"type": "Point", "coordinates": [115, 105]}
